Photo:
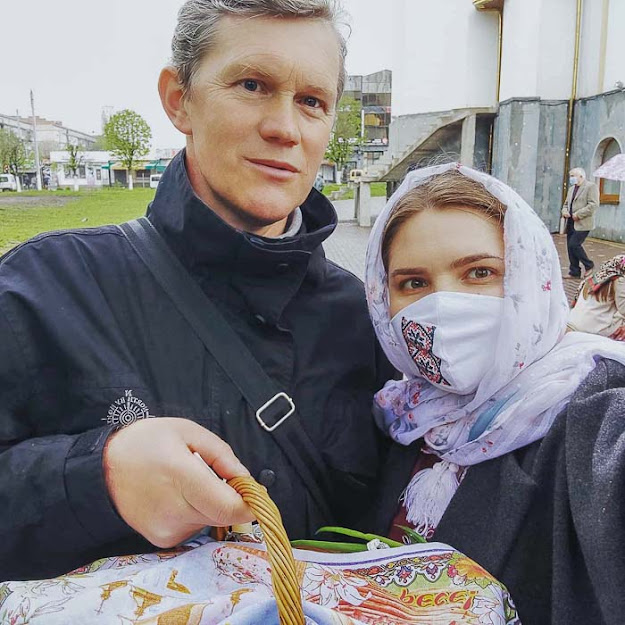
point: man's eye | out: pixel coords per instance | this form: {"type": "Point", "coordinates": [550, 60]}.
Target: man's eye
{"type": "Point", "coordinates": [251, 85]}
{"type": "Point", "coordinates": [311, 101]}
{"type": "Point", "coordinates": [480, 273]}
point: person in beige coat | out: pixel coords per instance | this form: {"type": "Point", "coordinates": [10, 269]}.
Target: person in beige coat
{"type": "Point", "coordinates": [600, 304]}
{"type": "Point", "coordinates": [579, 209]}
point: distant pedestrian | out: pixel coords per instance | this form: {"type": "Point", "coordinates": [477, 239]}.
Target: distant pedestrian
{"type": "Point", "coordinates": [600, 305]}
{"type": "Point", "coordinates": [581, 203]}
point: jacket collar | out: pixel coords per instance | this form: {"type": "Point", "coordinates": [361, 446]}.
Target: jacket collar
{"type": "Point", "coordinates": [204, 242]}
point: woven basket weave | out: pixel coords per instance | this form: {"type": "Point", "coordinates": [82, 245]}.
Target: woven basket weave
{"type": "Point", "coordinates": [283, 576]}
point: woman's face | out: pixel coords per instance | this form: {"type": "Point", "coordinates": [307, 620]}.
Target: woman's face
{"type": "Point", "coordinates": [455, 249]}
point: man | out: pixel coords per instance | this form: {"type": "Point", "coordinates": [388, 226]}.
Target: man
{"type": "Point", "coordinates": [90, 342]}
{"type": "Point", "coordinates": [581, 203]}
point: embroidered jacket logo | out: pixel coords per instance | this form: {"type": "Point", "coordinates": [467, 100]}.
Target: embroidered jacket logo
{"type": "Point", "coordinates": [126, 410]}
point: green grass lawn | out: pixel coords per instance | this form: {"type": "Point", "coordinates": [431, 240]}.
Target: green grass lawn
{"type": "Point", "coordinates": [378, 189]}
{"type": "Point", "coordinates": [24, 215]}
{"type": "Point", "coordinates": [42, 211]}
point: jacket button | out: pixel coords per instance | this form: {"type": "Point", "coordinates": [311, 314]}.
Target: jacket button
{"type": "Point", "coordinates": [267, 477]}
{"type": "Point", "coordinates": [282, 267]}
{"type": "Point", "coordinates": [261, 320]}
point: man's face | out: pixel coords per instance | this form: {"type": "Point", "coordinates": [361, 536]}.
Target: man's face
{"type": "Point", "coordinates": [259, 115]}
{"type": "Point", "coordinates": [576, 179]}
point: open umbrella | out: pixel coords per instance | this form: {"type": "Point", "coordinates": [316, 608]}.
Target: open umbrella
{"type": "Point", "coordinates": [614, 168]}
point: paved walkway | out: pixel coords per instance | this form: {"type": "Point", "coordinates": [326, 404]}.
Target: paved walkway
{"type": "Point", "coordinates": [598, 251]}
{"type": "Point", "coordinates": [348, 246]}
{"type": "Point", "coordinates": [346, 211]}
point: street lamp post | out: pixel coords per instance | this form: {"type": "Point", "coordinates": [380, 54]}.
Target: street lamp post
{"type": "Point", "coordinates": [37, 168]}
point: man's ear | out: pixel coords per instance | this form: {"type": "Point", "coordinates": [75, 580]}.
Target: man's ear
{"type": "Point", "coordinates": [172, 98]}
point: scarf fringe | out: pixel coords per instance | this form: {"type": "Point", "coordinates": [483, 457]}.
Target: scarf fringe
{"type": "Point", "coordinates": [428, 494]}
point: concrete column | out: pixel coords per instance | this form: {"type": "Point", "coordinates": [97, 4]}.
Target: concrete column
{"type": "Point", "coordinates": [467, 145]}
{"type": "Point", "coordinates": [363, 207]}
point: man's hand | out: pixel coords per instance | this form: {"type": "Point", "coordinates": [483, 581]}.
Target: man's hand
{"type": "Point", "coordinates": [162, 490]}
{"type": "Point", "coordinates": [575, 218]}
{"type": "Point", "coordinates": [619, 335]}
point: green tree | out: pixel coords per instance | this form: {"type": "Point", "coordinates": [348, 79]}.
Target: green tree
{"type": "Point", "coordinates": [74, 161]}
{"type": "Point", "coordinates": [346, 134]}
{"type": "Point", "coordinates": [75, 158]}
{"type": "Point", "coordinates": [13, 154]}
{"type": "Point", "coordinates": [127, 136]}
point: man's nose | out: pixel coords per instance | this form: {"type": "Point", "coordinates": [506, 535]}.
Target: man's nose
{"type": "Point", "coordinates": [280, 121]}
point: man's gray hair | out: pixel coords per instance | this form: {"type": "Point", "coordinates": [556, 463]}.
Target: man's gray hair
{"type": "Point", "coordinates": [198, 20]}
{"type": "Point", "coordinates": [578, 171]}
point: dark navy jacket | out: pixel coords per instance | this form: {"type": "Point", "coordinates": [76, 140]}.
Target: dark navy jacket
{"type": "Point", "coordinates": [88, 340]}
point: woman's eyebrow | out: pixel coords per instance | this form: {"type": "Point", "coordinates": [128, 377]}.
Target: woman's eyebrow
{"type": "Point", "coordinates": [407, 271]}
{"type": "Point", "coordinates": [467, 260]}
{"type": "Point", "coordinates": [459, 262]}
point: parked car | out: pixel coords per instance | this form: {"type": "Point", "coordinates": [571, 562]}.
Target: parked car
{"type": "Point", "coordinates": [154, 180]}
{"type": "Point", "coordinates": [8, 182]}
{"type": "Point", "coordinates": [319, 183]}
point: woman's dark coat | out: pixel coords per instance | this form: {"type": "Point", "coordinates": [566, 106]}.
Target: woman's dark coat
{"type": "Point", "coordinates": [547, 520]}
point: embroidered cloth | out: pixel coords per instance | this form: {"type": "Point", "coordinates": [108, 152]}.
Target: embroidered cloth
{"type": "Point", "coordinates": [609, 270]}
{"type": "Point", "coordinates": [217, 583]}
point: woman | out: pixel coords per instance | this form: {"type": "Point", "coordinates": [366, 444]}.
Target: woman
{"type": "Point", "coordinates": [600, 304]}
{"type": "Point", "coordinates": [507, 427]}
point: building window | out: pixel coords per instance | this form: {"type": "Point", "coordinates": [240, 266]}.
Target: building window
{"type": "Point", "coordinates": [609, 190]}
{"type": "Point", "coordinates": [80, 172]}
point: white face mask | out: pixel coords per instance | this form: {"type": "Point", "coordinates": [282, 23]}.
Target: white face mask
{"type": "Point", "coordinates": [572, 180]}
{"type": "Point", "coordinates": [450, 338]}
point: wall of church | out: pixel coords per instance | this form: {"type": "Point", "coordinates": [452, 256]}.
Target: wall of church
{"type": "Point", "coordinates": [444, 56]}
{"type": "Point", "coordinates": [597, 119]}
{"type": "Point", "coordinates": [529, 140]}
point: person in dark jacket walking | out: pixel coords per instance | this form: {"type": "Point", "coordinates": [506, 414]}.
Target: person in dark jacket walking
{"type": "Point", "coordinates": [92, 349]}
{"type": "Point", "coordinates": [508, 428]}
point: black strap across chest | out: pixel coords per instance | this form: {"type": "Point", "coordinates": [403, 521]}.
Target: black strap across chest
{"type": "Point", "coordinates": [275, 411]}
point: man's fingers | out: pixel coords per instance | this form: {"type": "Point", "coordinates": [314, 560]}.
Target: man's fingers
{"type": "Point", "coordinates": [219, 503]}
{"type": "Point", "coordinates": [217, 454]}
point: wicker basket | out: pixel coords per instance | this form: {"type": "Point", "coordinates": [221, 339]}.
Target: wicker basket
{"type": "Point", "coordinates": [283, 577]}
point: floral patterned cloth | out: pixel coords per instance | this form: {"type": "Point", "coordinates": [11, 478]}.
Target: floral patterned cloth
{"type": "Point", "coordinates": [608, 271]}
{"type": "Point", "coordinates": [221, 583]}
{"type": "Point", "coordinates": [536, 369]}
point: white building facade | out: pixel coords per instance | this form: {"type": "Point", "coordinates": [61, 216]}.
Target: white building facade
{"type": "Point", "coordinates": [500, 73]}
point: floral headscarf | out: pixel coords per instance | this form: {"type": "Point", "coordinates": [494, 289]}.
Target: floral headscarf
{"type": "Point", "coordinates": [536, 369]}
{"type": "Point", "coordinates": [608, 271]}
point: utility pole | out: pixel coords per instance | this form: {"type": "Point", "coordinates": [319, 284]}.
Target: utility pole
{"type": "Point", "coordinates": [18, 134]}
{"type": "Point", "coordinates": [32, 105]}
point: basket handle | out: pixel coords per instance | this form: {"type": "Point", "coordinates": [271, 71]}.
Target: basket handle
{"type": "Point", "coordinates": [283, 576]}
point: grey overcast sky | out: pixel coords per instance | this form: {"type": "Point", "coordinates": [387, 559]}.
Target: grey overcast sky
{"type": "Point", "coordinates": [80, 55]}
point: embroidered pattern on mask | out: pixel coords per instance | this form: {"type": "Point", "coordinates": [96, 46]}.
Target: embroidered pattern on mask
{"type": "Point", "coordinates": [420, 341]}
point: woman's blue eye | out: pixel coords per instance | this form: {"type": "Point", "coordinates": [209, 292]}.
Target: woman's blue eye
{"type": "Point", "coordinates": [250, 85]}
